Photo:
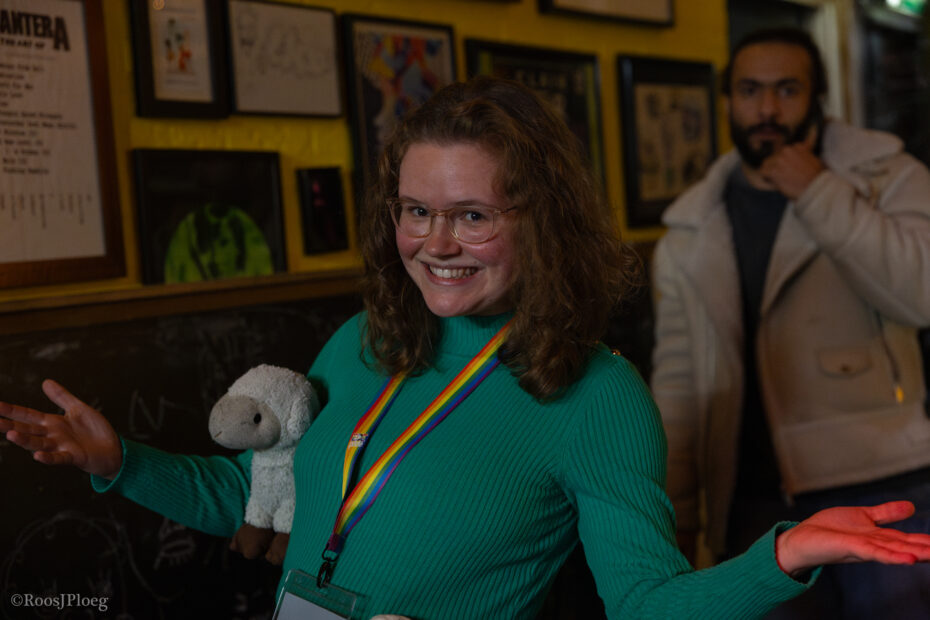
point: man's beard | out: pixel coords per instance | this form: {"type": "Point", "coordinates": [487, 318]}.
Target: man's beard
{"type": "Point", "coordinates": [755, 156]}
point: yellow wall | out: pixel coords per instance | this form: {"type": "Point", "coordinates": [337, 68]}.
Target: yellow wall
{"type": "Point", "coordinates": [699, 33]}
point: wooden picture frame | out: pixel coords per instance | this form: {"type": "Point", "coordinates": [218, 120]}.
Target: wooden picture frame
{"type": "Point", "coordinates": [570, 81]}
{"type": "Point", "coordinates": [669, 131]}
{"type": "Point", "coordinates": [422, 55]}
{"type": "Point", "coordinates": [59, 202]}
{"type": "Point", "coordinates": [208, 215]}
{"type": "Point", "coordinates": [283, 59]}
{"type": "Point", "coordinates": [179, 49]}
{"type": "Point", "coordinates": [647, 12]}
{"type": "Point", "coordinates": [322, 210]}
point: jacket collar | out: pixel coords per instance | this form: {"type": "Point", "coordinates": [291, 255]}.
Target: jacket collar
{"type": "Point", "coordinates": [712, 264]}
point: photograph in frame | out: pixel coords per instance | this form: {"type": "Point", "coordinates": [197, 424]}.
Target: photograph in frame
{"type": "Point", "coordinates": [208, 215]}
{"type": "Point", "coordinates": [59, 202]}
{"type": "Point", "coordinates": [180, 58]}
{"type": "Point", "coordinates": [569, 81]}
{"type": "Point", "coordinates": [392, 66]}
{"type": "Point", "coordinates": [283, 59]}
{"type": "Point", "coordinates": [322, 210]}
{"type": "Point", "coordinates": [668, 123]}
{"type": "Point", "coordinates": [647, 12]}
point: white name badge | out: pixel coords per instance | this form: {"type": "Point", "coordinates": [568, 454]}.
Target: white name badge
{"type": "Point", "coordinates": [302, 599]}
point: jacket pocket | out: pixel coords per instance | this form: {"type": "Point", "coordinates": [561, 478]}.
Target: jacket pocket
{"type": "Point", "coordinates": [844, 362]}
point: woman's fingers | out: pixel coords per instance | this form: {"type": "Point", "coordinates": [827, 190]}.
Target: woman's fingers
{"type": "Point", "coordinates": [30, 442]}
{"type": "Point", "coordinates": [53, 458]}
{"type": "Point", "coordinates": [60, 396]}
{"type": "Point", "coordinates": [19, 414]}
{"type": "Point", "coordinates": [890, 512]}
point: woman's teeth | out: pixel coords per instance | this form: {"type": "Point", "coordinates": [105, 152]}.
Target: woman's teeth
{"type": "Point", "coordinates": [452, 274]}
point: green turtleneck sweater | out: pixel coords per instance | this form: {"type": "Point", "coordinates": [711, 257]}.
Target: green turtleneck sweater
{"type": "Point", "coordinates": [477, 519]}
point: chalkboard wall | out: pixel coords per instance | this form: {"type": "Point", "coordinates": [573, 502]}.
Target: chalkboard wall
{"type": "Point", "coordinates": [156, 380]}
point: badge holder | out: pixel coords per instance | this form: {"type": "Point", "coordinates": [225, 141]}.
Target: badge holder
{"type": "Point", "coordinates": [302, 599]}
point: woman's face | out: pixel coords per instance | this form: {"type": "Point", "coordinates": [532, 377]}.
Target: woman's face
{"type": "Point", "coordinates": [456, 278]}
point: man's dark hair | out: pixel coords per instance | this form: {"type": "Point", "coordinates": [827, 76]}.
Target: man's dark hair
{"type": "Point", "coordinates": [789, 36]}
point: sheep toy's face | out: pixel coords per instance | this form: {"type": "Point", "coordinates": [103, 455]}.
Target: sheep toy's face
{"type": "Point", "coordinates": [241, 422]}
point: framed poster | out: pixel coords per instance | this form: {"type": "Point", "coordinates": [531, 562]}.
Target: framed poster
{"type": "Point", "coordinates": [569, 81]}
{"type": "Point", "coordinates": [283, 59]}
{"type": "Point", "coordinates": [650, 12]}
{"type": "Point", "coordinates": [180, 58]}
{"type": "Point", "coordinates": [392, 66]}
{"type": "Point", "coordinates": [322, 210]}
{"type": "Point", "coordinates": [208, 215]}
{"type": "Point", "coordinates": [668, 120]}
{"type": "Point", "coordinates": [59, 204]}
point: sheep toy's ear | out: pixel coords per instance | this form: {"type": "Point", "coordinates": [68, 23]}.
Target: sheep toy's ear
{"type": "Point", "coordinates": [303, 412]}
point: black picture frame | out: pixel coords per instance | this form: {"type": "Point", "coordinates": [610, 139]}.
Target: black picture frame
{"type": "Point", "coordinates": [372, 113]}
{"type": "Point", "coordinates": [67, 203]}
{"type": "Point", "coordinates": [208, 215]}
{"type": "Point", "coordinates": [284, 59]}
{"type": "Point", "coordinates": [645, 12]}
{"type": "Point", "coordinates": [570, 81]}
{"type": "Point", "coordinates": [174, 84]}
{"type": "Point", "coordinates": [669, 131]}
{"type": "Point", "coordinates": [322, 210]}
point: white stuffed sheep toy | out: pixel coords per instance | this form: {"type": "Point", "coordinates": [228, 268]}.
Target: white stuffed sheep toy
{"type": "Point", "coordinates": [266, 410]}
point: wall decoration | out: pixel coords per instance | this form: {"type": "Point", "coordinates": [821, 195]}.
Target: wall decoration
{"type": "Point", "coordinates": [567, 80]}
{"type": "Point", "coordinates": [392, 66]}
{"type": "Point", "coordinates": [651, 12]}
{"type": "Point", "coordinates": [208, 215]}
{"type": "Point", "coordinates": [59, 203]}
{"type": "Point", "coordinates": [322, 210]}
{"type": "Point", "coordinates": [283, 59]}
{"type": "Point", "coordinates": [668, 120]}
{"type": "Point", "coordinates": [180, 58]}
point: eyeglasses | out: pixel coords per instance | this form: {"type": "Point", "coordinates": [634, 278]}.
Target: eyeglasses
{"type": "Point", "coordinates": [469, 224]}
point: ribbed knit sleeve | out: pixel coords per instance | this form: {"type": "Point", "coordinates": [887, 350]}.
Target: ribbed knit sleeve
{"type": "Point", "coordinates": [615, 469]}
{"type": "Point", "coordinates": [205, 493]}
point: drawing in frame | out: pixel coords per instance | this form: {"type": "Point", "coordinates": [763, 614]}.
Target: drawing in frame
{"type": "Point", "coordinates": [59, 202]}
{"type": "Point", "coordinates": [668, 122]}
{"type": "Point", "coordinates": [283, 59]}
{"type": "Point", "coordinates": [208, 215]}
{"type": "Point", "coordinates": [568, 80]}
{"type": "Point", "coordinates": [392, 66]}
{"type": "Point", "coordinates": [179, 49]}
{"type": "Point", "coordinates": [322, 210]}
{"type": "Point", "coordinates": [649, 12]}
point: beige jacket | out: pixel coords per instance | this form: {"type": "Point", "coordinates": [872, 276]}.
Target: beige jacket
{"type": "Point", "coordinates": [839, 365]}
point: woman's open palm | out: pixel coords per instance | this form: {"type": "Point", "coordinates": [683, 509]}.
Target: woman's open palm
{"type": "Point", "coordinates": [81, 437]}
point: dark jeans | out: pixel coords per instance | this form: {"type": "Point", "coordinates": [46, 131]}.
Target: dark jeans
{"type": "Point", "coordinates": [849, 591]}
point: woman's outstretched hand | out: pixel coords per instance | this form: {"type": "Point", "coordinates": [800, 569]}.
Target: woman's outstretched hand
{"type": "Point", "coordinates": [851, 534]}
{"type": "Point", "coordinates": [81, 437]}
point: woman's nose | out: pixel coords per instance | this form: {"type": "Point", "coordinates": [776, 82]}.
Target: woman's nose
{"type": "Point", "coordinates": [440, 241]}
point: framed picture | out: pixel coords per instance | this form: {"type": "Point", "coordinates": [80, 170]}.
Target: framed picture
{"type": "Point", "coordinates": [59, 202]}
{"type": "Point", "coordinates": [568, 80]}
{"type": "Point", "coordinates": [284, 59]}
{"type": "Point", "coordinates": [180, 58]}
{"type": "Point", "coordinates": [392, 66]}
{"type": "Point", "coordinates": [208, 215]}
{"type": "Point", "coordinates": [668, 118]}
{"type": "Point", "coordinates": [651, 12]}
{"type": "Point", "coordinates": [322, 210]}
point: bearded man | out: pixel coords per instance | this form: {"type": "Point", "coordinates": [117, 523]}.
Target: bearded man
{"type": "Point", "coordinates": [790, 286]}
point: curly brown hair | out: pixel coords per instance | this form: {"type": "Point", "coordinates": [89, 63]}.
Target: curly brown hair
{"type": "Point", "coordinates": [572, 268]}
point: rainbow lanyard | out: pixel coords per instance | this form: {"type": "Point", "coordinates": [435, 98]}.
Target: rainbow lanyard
{"type": "Point", "coordinates": [357, 502]}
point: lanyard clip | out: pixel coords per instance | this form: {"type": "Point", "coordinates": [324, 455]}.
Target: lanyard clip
{"type": "Point", "coordinates": [325, 574]}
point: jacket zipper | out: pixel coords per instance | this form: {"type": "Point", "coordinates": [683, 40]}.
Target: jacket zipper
{"type": "Point", "coordinates": [892, 362]}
